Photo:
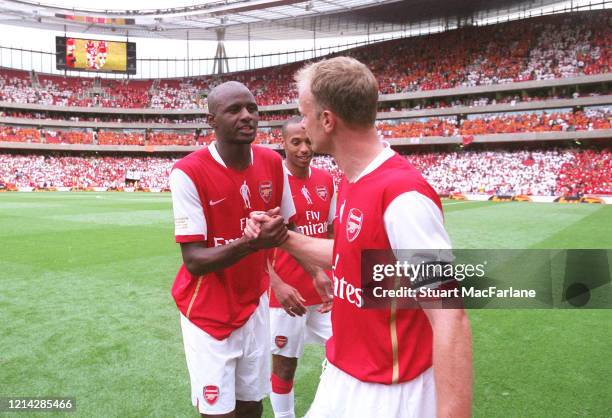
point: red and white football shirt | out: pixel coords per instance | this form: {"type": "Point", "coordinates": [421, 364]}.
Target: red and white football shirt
{"type": "Point", "coordinates": [315, 206]}
{"type": "Point", "coordinates": [211, 203]}
{"type": "Point", "coordinates": [390, 206]}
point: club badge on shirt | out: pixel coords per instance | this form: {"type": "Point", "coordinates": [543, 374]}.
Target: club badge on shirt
{"type": "Point", "coordinates": [354, 221]}
{"type": "Point", "coordinates": [265, 190]}
{"type": "Point", "coordinates": [322, 193]}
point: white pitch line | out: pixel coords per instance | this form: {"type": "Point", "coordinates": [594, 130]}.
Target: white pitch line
{"type": "Point", "coordinates": [456, 203]}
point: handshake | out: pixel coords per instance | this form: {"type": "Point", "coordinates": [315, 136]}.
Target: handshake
{"type": "Point", "coordinates": [265, 229]}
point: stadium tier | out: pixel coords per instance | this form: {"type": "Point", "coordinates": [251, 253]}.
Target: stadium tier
{"type": "Point", "coordinates": [587, 120]}
{"type": "Point", "coordinates": [543, 48]}
{"type": "Point", "coordinates": [546, 171]}
{"type": "Point", "coordinates": [499, 123]}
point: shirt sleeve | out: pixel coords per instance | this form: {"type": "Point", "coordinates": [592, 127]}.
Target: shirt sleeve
{"type": "Point", "coordinates": [189, 219]}
{"type": "Point", "coordinates": [415, 227]}
{"type": "Point", "coordinates": [414, 222]}
{"type": "Point", "coordinates": [287, 208]}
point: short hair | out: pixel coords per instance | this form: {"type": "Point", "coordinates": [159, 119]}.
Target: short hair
{"type": "Point", "coordinates": [343, 85]}
{"type": "Point", "coordinates": [291, 121]}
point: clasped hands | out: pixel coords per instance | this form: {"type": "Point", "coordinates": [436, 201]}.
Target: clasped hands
{"type": "Point", "coordinates": [266, 229]}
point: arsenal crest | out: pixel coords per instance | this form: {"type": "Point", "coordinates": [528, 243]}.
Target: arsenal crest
{"type": "Point", "coordinates": [265, 190]}
{"type": "Point", "coordinates": [322, 192]}
{"type": "Point", "coordinates": [354, 221]}
{"type": "Point", "coordinates": [280, 341]}
{"type": "Point", "coordinates": [211, 394]}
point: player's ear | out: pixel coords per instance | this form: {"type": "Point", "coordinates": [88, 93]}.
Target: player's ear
{"type": "Point", "coordinates": [210, 118]}
{"type": "Point", "coordinates": [328, 121]}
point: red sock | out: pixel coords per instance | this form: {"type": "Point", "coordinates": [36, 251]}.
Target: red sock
{"type": "Point", "coordinates": [281, 386]}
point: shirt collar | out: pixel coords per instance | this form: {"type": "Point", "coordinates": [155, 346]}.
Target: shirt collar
{"type": "Point", "coordinates": [215, 154]}
{"type": "Point", "coordinates": [383, 156]}
{"type": "Point", "coordinates": [289, 171]}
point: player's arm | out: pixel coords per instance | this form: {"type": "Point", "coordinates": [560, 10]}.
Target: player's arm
{"type": "Point", "coordinates": [200, 259]}
{"type": "Point", "coordinates": [452, 359]}
{"type": "Point", "coordinates": [191, 230]}
{"type": "Point", "coordinates": [314, 253]}
{"type": "Point", "coordinates": [308, 250]}
{"type": "Point", "coordinates": [413, 221]}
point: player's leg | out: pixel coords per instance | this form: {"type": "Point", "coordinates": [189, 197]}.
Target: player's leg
{"type": "Point", "coordinates": [282, 397]}
{"type": "Point", "coordinates": [212, 367]}
{"type": "Point", "coordinates": [253, 367]}
{"type": "Point", "coordinates": [287, 342]}
{"type": "Point", "coordinates": [249, 409]}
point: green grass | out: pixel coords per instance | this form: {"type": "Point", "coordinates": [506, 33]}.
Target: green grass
{"type": "Point", "coordinates": [86, 310]}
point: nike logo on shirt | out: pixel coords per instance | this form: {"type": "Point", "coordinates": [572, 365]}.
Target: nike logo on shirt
{"type": "Point", "coordinates": [216, 202]}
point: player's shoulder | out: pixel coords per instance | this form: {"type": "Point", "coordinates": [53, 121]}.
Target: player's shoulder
{"type": "Point", "coordinates": [193, 160]}
{"type": "Point", "coordinates": [399, 176]}
{"type": "Point", "coordinates": [318, 174]}
{"type": "Point", "coordinates": [266, 154]}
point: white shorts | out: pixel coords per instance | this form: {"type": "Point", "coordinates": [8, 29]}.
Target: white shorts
{"type": "Point", "coordinates": [236, 368]}
{"type": "Point", "coordinates": [289, 334]}
{"type": "Point", "coordinates": [340, 395]}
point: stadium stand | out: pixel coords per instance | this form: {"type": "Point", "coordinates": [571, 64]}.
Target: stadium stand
{"type": "Point", "coordinates": [13, 134]}
{"type": "Point", "coordinates": [83, 171]}
{"type": "Point", "coordinates": [171, 138]}
{"type": "Point", "coordinates": [543, 171]}
{"type": "Point", "coordinates": [587, 120]}
{"type": "Point", "coordinates": [543, 48]}
{"type": "Point", "coordinates": [121, 138]}
{"type": "Point", "coordinates": [68, 137]}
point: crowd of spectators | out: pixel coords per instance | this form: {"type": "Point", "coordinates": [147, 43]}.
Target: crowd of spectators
{"type": "Point", "coordinates": [587, 120]}
{"type": "Point", "coordinates": [541, 48]}
{"type": "Point", "coordinates": [83, 172]}
{"type": "Point", "coordinates": [190, 137]}
{"type": "Point", "coordinates": [121, 138]}
{"type": "Point", "coordinates": [522, 172]}
{"type": "Point", "coordinates": [511, 99]}
{"type": "Point", "coordinates": [549, 171]}
{"type": "Point", "coordinates": [171, 138]}
{"type": "Point", "coordinates": [590, 172]}
{"type": "Point", "coordinates": [14, 134]}
{"type": "Point", "coordinates": [68, 137]}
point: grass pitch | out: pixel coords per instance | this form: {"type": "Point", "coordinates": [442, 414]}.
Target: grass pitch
{"type": "Point", "coordinates": [86, 310]}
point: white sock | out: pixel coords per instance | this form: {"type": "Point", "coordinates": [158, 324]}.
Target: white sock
{"type": "Point", "coordinates": [282, 404]}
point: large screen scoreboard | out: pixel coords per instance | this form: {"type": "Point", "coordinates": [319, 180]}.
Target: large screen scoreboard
{"type": "Point", "coordinates": [95, 55]}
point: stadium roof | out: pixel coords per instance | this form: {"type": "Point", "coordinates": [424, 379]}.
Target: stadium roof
{"type": "Point", "coordinates": [254, 19]}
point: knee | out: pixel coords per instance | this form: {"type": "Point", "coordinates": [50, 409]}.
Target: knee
{"type": "Point", "coordinates": [284, 367]}
{"type": "Point", "coordinates": [249, 409]}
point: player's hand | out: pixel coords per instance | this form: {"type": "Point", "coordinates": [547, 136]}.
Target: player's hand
{"type": "Point", "coordinates": [256, 219]}
{"type": "Point", "coordinates": [272, 233]}
{"type": "Point", "coordinates": [288, 296]}
{"type": "Point", "coordinates": [323, 286]}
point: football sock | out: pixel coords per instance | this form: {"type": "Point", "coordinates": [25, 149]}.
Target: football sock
{"type": "Point", "coordinates": [281, 397]}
